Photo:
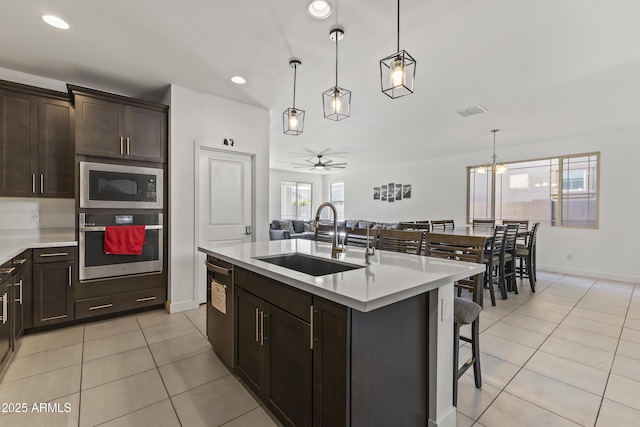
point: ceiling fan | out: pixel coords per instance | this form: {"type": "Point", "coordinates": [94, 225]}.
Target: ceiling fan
{"type": "Point", "coordinates": [326, 165]}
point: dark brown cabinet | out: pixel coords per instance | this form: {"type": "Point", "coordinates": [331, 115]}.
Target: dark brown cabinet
{"type": "Point", "coordinates": [19, 301]}
{"type": "Point", "coordinates": [54, 275]}
{"type": "Point", "coordinates": [36, 143]}
{"type": "Point", "coordinates": [274, 357]}
{"type": "Point", "coordinates": [6, 311]}
{"type": "Point", "coordinates": [119, 127]}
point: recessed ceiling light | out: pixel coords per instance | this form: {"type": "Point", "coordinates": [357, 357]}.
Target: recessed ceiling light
{"type": "Point", "coordinates": [238, 80]}
{"type": "Point", "coordinates": [54, 21]}
{"type": "Point", "coordinates": [319, 9]}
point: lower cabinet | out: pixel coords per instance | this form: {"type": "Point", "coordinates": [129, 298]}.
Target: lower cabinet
{"type": "Point", "coordinates": [54, 275]}
{"type": "Point", "coordinates": [274, 357]}
{"type": "Point", "coordinates": [18, 303]}
{"type": "Point", "coordinates": [90, 307]}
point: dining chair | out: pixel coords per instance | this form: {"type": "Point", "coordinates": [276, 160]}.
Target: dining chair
{"type": "Point", "coordinates": [324, 233]}
{"type": "Point", "coordinates": [405, 241]}
{"type": "Point", "coordinates": [443, 224]}
{"type": "Point", "coordinates": [422, 226]}
{"type": "Point", "coordinates": [465, 311]}
{"type": "Point", "coordinates": [525, 257]}
{"type": "Point", "coordinates": [508, 259]}
{"type": "Point", "coordinates": [358, 237]}
{"type": "Point", "coordinates": [492, 259]}
{"type": "Point", "coordinates": [460, 248]}
{"type": "Point", "coordinates": [523, 226]}
{"type": "Point", "coordinates": [483, 224]}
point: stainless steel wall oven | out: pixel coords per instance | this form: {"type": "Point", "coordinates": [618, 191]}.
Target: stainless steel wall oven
{"type": "Point", "coordinates": [96, 264]}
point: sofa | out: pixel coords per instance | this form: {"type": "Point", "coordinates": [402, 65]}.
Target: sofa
{"type": "Point", "coordinates": [299, 229]}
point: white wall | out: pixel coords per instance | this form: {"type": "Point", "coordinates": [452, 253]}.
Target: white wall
{"type": "Point", "coordinates": [439, 191]}
{"type": "Point", "coordinates": [207, 119]}
{"type": "Point", "coordinates": [275, 189]}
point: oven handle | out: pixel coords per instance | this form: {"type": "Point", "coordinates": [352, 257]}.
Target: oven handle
{"type": "Point", "coordinates": [146, 227]}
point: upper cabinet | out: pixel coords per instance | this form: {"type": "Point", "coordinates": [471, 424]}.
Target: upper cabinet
{"type": "Point", "coordinates": [36, 142]}
{"type": "Point", "coordinates": [119, 127]}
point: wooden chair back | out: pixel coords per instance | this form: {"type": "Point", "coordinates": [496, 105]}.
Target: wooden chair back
{"type": "Point", "coordinates": [460, 248]}
{"type": "Point", "coordinates": [483, 224]}
{"type": "Point", "coordinates": [324, 233]}
{"type": "Point", "coordinates": [523, 224]}
{"type": "Point", "coordinates": [405, 241]}
{"type": "Point", "coordinates": [358, 237]}
{"type": "Point", "coordinates": [442, 224]}
{"type": "Point", "coordinates": [510, 238]}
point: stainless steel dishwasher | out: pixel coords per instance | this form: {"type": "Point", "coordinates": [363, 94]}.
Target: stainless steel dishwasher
{"type": "Point", "coordinates": [220, 308]}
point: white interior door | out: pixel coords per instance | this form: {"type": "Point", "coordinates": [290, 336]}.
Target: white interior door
{"type": "Point", "coordinates": [224, 203]}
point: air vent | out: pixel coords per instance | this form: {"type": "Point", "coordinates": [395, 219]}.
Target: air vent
{"type": "Point", "coordinates": [471, 111]}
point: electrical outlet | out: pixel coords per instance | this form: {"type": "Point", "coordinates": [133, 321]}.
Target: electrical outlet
{"type": "Point", "coordinates": [34, 216]}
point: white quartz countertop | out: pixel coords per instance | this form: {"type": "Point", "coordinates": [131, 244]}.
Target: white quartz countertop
{"type": "Point", "coordinates": [390, 278]}
{"type": "Point", "coordinates": [12, 245]}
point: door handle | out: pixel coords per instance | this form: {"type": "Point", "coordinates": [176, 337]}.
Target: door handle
{"type": "Point", "coordinates": [311, 311]}
{"type": "Point", "coordinates": [69, 275]}
{"type": "Point", "coordinates": [33, 183]}
{"type": "Point", "coordinates": [248, 230]}
{"type": "Point", "coordinates": [20, 300]}
{"type": "Point", "coordinates": [262, 337]}
{"type": "Point", "coordinates": [41, 183]}
{"type": "Point", "coordinates": [128, 146]}
{"type": "Point", "coordinates": [4, 308]}
{"type": "Point", "coordinates": [257, 333]}
{"type": "Point", "coordinates": [121, 145]}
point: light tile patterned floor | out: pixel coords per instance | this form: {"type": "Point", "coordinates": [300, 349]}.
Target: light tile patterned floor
{"type": "Point", "coordinates": [151, 369]}
{"type": "Point", "coordinates": [566, 355]}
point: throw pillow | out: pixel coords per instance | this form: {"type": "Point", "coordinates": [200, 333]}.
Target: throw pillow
{"type": "Point", "coordinates": [298, 226]}
{"type": "Point", "coordinates": [275, 224]}
{"type": "Point", "coordinates": [286, 224]}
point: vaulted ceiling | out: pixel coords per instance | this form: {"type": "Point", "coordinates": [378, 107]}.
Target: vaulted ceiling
{"type": "Point", "coordinates": [543, 69]}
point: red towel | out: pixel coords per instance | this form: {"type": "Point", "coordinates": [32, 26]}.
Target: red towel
{"type": "Point", "coordinates": [124, 240]}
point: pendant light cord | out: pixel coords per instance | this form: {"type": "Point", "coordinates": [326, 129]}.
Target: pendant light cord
{"type": "Point", "coordinates": [337, 59]}
{"type": "Point", "coordinates": [295, 69]}
{"type": "Point", "coordinates": [398, 47]}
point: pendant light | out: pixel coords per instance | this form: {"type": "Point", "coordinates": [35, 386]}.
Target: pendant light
{"type": "Point", "coordinates": [493, 167]}
{"type": "Point", "coordinates": [397, 71]}
{"type": "Point", "coordinates": [336, 100]}
{"type": "Point", "coordinates": [293, 118]}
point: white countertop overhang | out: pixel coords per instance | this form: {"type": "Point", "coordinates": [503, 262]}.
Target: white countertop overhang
{"type": "Point", "coordinates": [390, 278]}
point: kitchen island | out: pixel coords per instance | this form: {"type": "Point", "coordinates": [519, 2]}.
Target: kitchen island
{"type": "Point", "coordinates": [372, 345]}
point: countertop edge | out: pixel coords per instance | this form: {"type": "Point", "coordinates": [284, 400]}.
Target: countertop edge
{"type": "Point", "coordinates": [9, 249]}
{"type": "Point", "coordinates": [363, 306]}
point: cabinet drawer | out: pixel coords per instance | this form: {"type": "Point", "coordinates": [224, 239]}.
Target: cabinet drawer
{"type": "Point", "coordinates": [120, 302]}
{"type": "Point", "coordinates": [292, 300]}
{"type": "Point", "coordinates": [67, 253]}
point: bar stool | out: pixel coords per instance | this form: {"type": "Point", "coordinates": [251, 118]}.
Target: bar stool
{"type": "Point", "coordinates": [466, 312]}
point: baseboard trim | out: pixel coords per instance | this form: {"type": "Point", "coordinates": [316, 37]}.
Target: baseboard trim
{"type": "Point", "coordinates": [176, 307]}
{"type": "Point", "coordinates": [589, 273]}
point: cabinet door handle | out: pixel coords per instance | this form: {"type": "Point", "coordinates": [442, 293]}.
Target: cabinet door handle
{"type": "Point", "coordinates": [9, 270]}
{"type": "Point", "coordinates": [41, 183]}
{"type": "Point", "coordinates": [55, 254]}
{"type": "Point", "coordinates": [145, 299]}
{"type": "Point", "coordinates": [127, 146]}
{"type": "Point", "coordinates": [69, 275]}
{"type": "Point", "coordinates": [4, 308]}
{"type": "Point", "coordinates": [20, 261]}
{"type": "Point", "coordinates": [311, 328]}
{"type": "Point", "coordinates": [98, 307]}
{"type": "Point", "coordinates": [262, 337]}
{"type": "Point", "coordinates": [20, 300]}
{"type": "Point", "coordinates": [217, 269]}
{"type": "Point", "coordinates": [33, 183]}
{"type": "Point", "coordinates": [257, 333]}
{"type": "Point", "coordinates": [121, 145]}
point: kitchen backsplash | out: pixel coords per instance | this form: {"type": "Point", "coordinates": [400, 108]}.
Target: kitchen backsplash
{"type": "Point", "coordinates": [36, 214]}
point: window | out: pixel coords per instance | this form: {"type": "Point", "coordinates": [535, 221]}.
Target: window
{"type": "Point", "coordinates": [296, 200]}
{"type": "Point", "coordinates": [337, 198]}
{"type": "Point", "coordinates": [533, 190]}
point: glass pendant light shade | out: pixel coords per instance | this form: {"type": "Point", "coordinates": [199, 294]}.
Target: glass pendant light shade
{"type": "Point", "coordinates": [293, 121]}
{"type": "Point", "coordinates": [337, 103]}
{"type": "Point", "coordinates": [293, 118]}
{"type": "Point", "coordinates": [397, 71]}
{"type": "Point", "coordinates": [336, 100]}
{"type": "Point", "coordinates": [397, 74]}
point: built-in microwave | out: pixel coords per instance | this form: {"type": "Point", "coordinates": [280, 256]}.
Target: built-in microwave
{"type": "Point", "coordinates": [105, 185]}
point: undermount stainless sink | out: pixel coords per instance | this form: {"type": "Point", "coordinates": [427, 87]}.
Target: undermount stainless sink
{"type": "Point", "coordinates": [307, 264]}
